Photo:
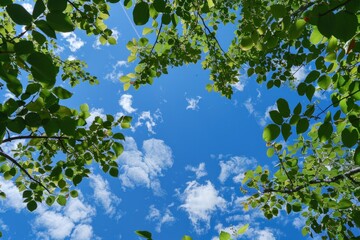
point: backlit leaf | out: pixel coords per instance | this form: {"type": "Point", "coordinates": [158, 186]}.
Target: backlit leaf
{"type": "Point", "coordinates": [271, 132]}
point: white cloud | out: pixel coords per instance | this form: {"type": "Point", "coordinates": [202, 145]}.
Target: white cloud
{"type": "Point", "coordinates": [236, 166]}
{"type": "Point", "coordinates": [82, 232]}
{"type": "Point", "coordinates": [116, 72]}
{"type": "Point", "coordinates": [8, 95]}
{"type": "Point", "coordinates": [71, 58]}
{"type": "Point", "coordinates": [261, 119]}
{"type": "Point", "coordinates": [143, 168]}
{"type": "Point", "coordinates": [200, 202]}
{"type": "Point", "coordinates": [199, 171]}
{"type": "Point", "coordinates": [240, 85]}
{"type": "Point", "coordinates": [253, 232]}
{"type": "Point", "coordinates": [13, 196]}
{"type": "Point", "coordinates": [59, 223]}
{"type": "Point", "coordinates": [249, 106]}
{"type": "Point", "coordinates": [103, 194]}
{"type": "Point", "coordinates": [299, 222]}
{"type": "Point", "coordinates": [193, 103]}
{"type": "Point", "coordinates": [148, 119]}
{"type": "Point", "coordinates": [126, 103]}
{"type": "Point", "coordinates": [155, 216]}
{"type": "Point", "coordinates": [75, 43]}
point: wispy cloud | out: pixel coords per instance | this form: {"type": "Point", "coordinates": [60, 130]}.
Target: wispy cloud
{"type": "Point", "coordinates": [200, 202]}
{"type": "Point", "coordinates": [193, 103]}
{"type": "Point", "coordinates": [148, 119]}
{"type": "Point", "coordinates": [160, 218]}
{"type": "Point", "coordinates": [104, 196]}
{"type": "Point", "coordinates": [143, 168]}
{"type": "Point", "coordinates": [199, 171]}
{"type": "Point", "coordinates": [116, 72]}
{"type": "Point", "coordinates": [261, 119]}
{"type": "Point", "coordinates": [236, 167]}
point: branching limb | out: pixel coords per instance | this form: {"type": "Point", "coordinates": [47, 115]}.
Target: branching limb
{"type": "Point", "coordinates": [347, 174]}
{"type": "Point", "coordinates": [157, 38]}
{"type": "Point", "coordinates": [209, 32]}
{"type": "Point", "coordinates": [336, 102]}
{"type": "Point", "coordinates": [9, 139]}
{"type": "Point", "coordinates": [23, 169]}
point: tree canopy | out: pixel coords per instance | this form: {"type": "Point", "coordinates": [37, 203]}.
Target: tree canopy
{"type": "Point", "coordinates": [317, 148]}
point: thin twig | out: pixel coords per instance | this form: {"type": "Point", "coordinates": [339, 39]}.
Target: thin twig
{"type": "Point", "coordinates": [317, 116]}
{"type": "Point", "coordinates": [213, 36]}
{"type": "Point", "coordinates": [156, 40]}
{"type": "Point", "coordinates": [347, 174]}
{"type": "Point", "coordinates": [74, 6]}
{"type": "Point", "coordinates": [334, 8]}
{"type": "Point", "coordinates": [32, 137]}
{"type": "Point", "coordinates": [23, 170]}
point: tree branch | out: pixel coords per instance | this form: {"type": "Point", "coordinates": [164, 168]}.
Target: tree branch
{"type": "Point", "coordinates": [334, 8]}
{"type": "Point", "coordinates": [212, 35]}
{"type": "Point", "coordinates": [156, 40]}
{"type": "Point", "coordinates": [317, 116]}
{"type": "Point", "coordinates": [32, 137]}
{"type": "Point", "coordinates": [72, 4]}
{"type": "Point", "coordinates": [23, 170]}
{"type": "Point", "coordinates": [347, 174]}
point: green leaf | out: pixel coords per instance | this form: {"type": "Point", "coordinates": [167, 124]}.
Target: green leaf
{"type": "Point", "coordinates": [126, 122]}
{"type": "Point", "coordinates": [349, 138]}
{"type": "Point", "coordinates": [61, 200]}
{"type": "Point", "coordinates": [45, 28]}
{"type": "Point", "coordinates": [24, 47]}
{"type": "Point", "coordinates": [325, 131]}
{"type": "Point", "coordinates": [278, 10]}
{"type": "Point", "coordinates": [297, 109]}
{"type": "Point", "coordinates": [77, 179]}
{"type": "Point", "coordinates": [283, 107]}
{"type": "Point", "coordinates": [16, 125]}
{"type": "Point", "coordinates": [57, 5]}
{"type": "Point", "coordinates": [186, 237]}
{"type": "Point", "coordinates": [144, 234]}
{"type": "Point", "coordinates": [270, 152]}
{"type": "Point", "coordinates": [286, 130]}
{"type": "Point", "coordinates": [357, 156]}
{"type": "Point", "coordinates": [114, 172]}
{"type": "Point", "coordinates": [312, 76]}
{"type": "Point", "coordinates": [310, 90]}
{"type": "Point", "coordinates": [276, 117]}
{"type": "Point", "coordinates": [166, 19]}
{"type": "Point", "coordinates": [84, 107]}
{"type": "Point", "coordinates": [324, 82]}
{"type": "Point", "coordinates": [118, 148]}
{"type": "Point", "coordinates": [296, 207]}
{"type": "Point", "coordinates": [246, 43]}
{"type": "Point", "coordinates": [39, 8]}
{"type": "Point", "coordinates": [224, 236]}
{"type": "Point", "coordinates": [271, 132]}
{"type": "Point", "coordinates": [62, 93]}
{"type": "Point", "coordinates": [60, 22]}
{"type": "Point", "coordinates": [243, 229]}
{"type": "Point", "coordinates": [31, 206]}
{"type": "Point", "coordinates": [119, 136]}
{"type": "Point", "coordinates": [315, 36]}
{"type": "Point", "coordinates": [346, 24]}
{"type": "Point", "coordinates": [302, 125]}
{"type": "Point", "coordinates": [42, 69]}
{"type": "Point", "coordinates": [141, 13]}
{"type": "Point", "coordinates": [159, 5]}
{"type": "Point", "coordinates": [296, 29]}
{"type": "Point", "coordinates": [33, 119]}
{"type": "Point", "coordinates": [326, 24]}
{"type": "Point", "coordinates": [74, 194]}
{"type": "Point", "coordinates": [19, 14]}
{"type": "Point", "coordinates": [50, 200]}
{"type": "Point", "coordinates": [344, 204]}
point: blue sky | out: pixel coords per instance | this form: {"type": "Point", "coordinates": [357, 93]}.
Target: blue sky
{"type": "Point", "coordinates": [184, 158]}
